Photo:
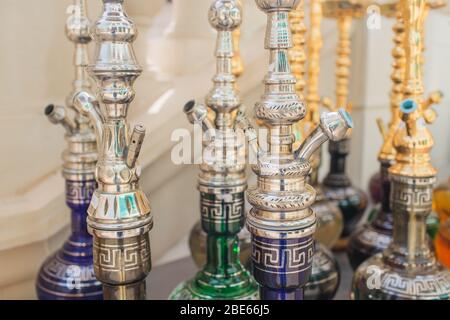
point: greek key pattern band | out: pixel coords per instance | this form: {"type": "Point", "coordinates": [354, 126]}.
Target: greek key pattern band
{"type": "Point", "coordinates": [220, 210]}
{"type": "Point", "coordinates": [410, 197]}
{"type": "Point", "coordinates": [80, 192]}
{"type": "Point", "coordinates": [123, 257]}
{"type": "Point", "coordinates": [417, 286]}
{"type": "Point", "coordinates": [283, 258]}
{"type": "Point", "coordinates": [59, 269]}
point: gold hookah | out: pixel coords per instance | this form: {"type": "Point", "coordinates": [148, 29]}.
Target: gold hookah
{"type": "Point", "coordinates": [344, 11]}
{"type": "Point", "coordinates": [376, 235]}
{"type": "Point", "coordinates": [325, 277]}
{"type": "Point", "coordinates": [337, 185]}
{"type": "Point", "coordinates": [408, 269]}
{"type": "Point", "coordinates": [393, 10]}
{"type": "Point", "coordinates": [237, 64]}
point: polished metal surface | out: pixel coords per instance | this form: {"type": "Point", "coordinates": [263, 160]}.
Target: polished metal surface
{"type": "Point", "coordinates": [197, 237]}
{"type": "Point", "coordinates": [281, 220]}
{"type": "Point", "coordinates": [222, 181]}
{"type": "Point", "coordinates": [119, 214]}
{"type": "Point", "coordinates": [376, 235]}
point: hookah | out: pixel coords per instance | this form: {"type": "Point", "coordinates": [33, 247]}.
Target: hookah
{"type": "Point", "coordinates": [69, 273]}
{"type": "Point", "coordinates": [408, 268]}
{"type": "Point", "coordinates": [337, 185]}
{"type": "Point", "coordinates": [328, 212]}
{"type": "Point", "coordinates": [325, 277]}
{"type": "Point", "coordinates": [376, 235]}
{"type": "Point", "coordinates": [119, 213]}
{"type": "Point", "coordinates": [197, 237]}
{"type": "Point", "coordinates": [222, 181]}
{"type": "Point", "coordinates": [281, 220]}
{"type": "Point", "coordinates": [389, 9]}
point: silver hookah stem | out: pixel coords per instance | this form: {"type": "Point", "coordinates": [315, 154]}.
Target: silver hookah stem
{"type": "Point", "coordinates": [223, 172]}
{"type": "Point", "coordinates": [119, 214]}
{"type": "Point", "coordinates": [281, 221]}
{"type": "Point", "coordinates": [222, 181]}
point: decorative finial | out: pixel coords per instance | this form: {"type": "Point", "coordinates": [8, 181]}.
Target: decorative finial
{"type": "Point", "coordinates": [225, 17]}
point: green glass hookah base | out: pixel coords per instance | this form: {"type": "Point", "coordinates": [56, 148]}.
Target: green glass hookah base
{"type": "Point", "coordinates": [206, 287]}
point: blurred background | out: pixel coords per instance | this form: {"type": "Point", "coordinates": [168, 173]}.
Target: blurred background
{"type": "Point", "coordinates": [175, 47]}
